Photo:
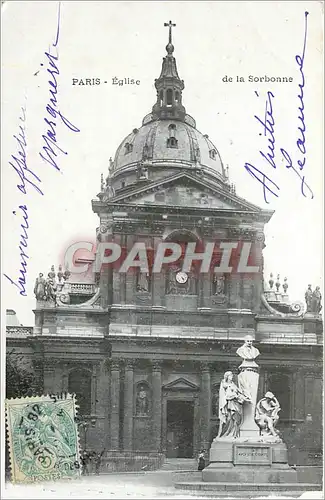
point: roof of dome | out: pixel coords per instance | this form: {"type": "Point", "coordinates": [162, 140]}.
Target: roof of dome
{"type": "Point", "coordinates": [168, 136]}
{"type": "Point", "coordinates": [168, 141]}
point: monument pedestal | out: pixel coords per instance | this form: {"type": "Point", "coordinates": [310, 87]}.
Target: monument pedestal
{"type": "Point", "coordinates": [248, 461]}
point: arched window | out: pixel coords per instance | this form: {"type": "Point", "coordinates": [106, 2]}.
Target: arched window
{"type": "Point", "coordinates": [169, 97]}
{"type": "Point", "coordinates": [172, 130]}
{"type": "Point", "coordinates": [128, 148]}
{"type": "Point", "coordinates": [176, 97]}
{"type": "Point", "coordinates": [172, 142]}
{"type": "Point", "coordinates": [161, 97]}
{"type": "Point", "coordinates": [212, 154]}
{"type": "Point", "coordinates": [80, 384]}
{"type": "Point", "coordinates": [279, 384]}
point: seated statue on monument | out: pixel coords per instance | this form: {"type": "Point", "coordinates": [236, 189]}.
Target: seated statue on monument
{"type": "Point", "coordinates": [267, 415]}
{"type": "Point", "coordinates": [231, 401]}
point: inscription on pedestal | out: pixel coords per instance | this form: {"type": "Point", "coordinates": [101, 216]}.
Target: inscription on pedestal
{"type": "Point", "coordinates": [252, 455]}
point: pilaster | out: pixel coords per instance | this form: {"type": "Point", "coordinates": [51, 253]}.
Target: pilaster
{"type": "Point", "coordinates": [115, 403]}
{"type": "Point", "coordinates": [205, 405]}
{"type": "Point", "coordinates": [156, 405]}
{"type": "Point", "coordinates": [128, 406]}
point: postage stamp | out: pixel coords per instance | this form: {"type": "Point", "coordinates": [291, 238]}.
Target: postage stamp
{"type": "Point", "coordinates": [43, 438]}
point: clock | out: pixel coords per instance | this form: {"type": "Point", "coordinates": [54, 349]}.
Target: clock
{"type": "Point", "coordinates": [181, 277]}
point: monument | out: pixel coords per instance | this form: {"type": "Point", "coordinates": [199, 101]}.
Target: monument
{"type": "Point", "coordinates": [248, 448]}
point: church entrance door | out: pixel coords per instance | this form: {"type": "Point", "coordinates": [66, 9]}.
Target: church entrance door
{"type": "Point", "coordinates": [180, 421]}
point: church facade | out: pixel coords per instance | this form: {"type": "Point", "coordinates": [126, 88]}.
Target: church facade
{"type": "Point", "coordinates": [145, 352]}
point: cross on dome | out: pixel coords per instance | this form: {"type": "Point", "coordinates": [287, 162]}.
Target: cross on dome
{"type": "Point", "coordinates": [170, 25]}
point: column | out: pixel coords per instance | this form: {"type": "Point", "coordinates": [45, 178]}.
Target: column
{"type": "Point", "coordinates": [38, 367]}
{"type": "Point", "coordinates": [156, 405]}
{"type": "Point", "coordinates": [49, 380]}
{"type": "Point", "coordinates": [93, 388]}
{"type": "Point", "coordinates": [115, 404]}
{"type": "Point", "coordinates": [128, 406]}
{"type": "Point", "coordinates": [261, 384]}
{"type": "Point", "coordinates": [65, 377]}
{"type": "Point", "coordinates": [103, 402]}
{"type": "Point", "coordinates": [205, 405]}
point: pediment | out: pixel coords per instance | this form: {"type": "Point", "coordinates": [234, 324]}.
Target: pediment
{"type": "Point", "coordinates": [180, 384]}
{"type": "Point", "coordinates": [184, 190]}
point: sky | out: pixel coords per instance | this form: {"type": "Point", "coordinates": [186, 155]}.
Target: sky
{"type": "Point", "coordinates": [127, 40]}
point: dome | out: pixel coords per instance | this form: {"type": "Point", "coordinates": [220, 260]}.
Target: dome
{"type": "Point", "coordinates": [170, 143]}
{"type": "Point", "coordinates": [167, 141]}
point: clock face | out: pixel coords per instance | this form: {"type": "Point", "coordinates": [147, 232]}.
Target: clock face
{"type": "Point", "coordinates": [181, 277]}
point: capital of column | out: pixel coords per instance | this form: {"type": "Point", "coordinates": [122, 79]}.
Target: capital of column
{"type": "Point", "coordinates": [205, 367]}
{"type": "Point", "coordinates": [129, 364]}
{"type": "Point", "coordinates": [114, 364]}
{"type": "Point", "coordinates": [156, 365]}
{"type": "Point", "coordinates": [38, 364]}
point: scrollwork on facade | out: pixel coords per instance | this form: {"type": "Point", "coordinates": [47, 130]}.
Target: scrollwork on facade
{"type": "Point", "coordinates": [105, 227]}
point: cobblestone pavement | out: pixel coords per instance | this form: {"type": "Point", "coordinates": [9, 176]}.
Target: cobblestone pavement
{"type": "Point", "coordinates": [154, 485]}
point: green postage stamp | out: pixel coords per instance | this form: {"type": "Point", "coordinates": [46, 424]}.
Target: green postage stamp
{"type": "Point", "coordinates": [43, 438]}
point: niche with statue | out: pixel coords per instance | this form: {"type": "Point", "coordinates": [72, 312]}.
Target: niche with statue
{"type": "Point", "coordinates": [142, 399]}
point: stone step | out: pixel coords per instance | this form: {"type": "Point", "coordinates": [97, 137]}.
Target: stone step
{"type": "Point", "coordinates": [186, 464]}
{"type": "Point", "coordinates": [258, 495]}
{"type": "Point", "coordinates": [201, 486]}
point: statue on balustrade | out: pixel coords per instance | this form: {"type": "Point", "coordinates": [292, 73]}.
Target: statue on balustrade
{"type": "Point", "coordinates": [50, 290]}
{"type": "Point", "coordinates": [231, 401]}
{"type": "Point", "coordinates": [39, 288]}
{"type": "Point", "coordinates": [142, 402]}
{"type": "Point", "coordinates": [267, 414]}
{"type": "Point", "coordinates": [316, 301]}
{"type": "Point", "coordinates": [313, 300]}
{"type": "Point", "coordinates": [308, 298]}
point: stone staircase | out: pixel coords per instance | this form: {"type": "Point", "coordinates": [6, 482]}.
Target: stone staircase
{"type": "Point", "coordinates": [180, 464]}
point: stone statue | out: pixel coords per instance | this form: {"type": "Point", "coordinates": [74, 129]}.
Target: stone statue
{"type": "Point", "coordinates": [111, 165]}
{"type": "Point", "coordinates": [316, 300]}
{"type": "Point", "coordinates": [39, 288]}
{"type": "Point", "coordinates": [247, 351]}
{"type": "Point", "coordinates": [51, 274]}
{"type": "Point", "coordinates": [60, 274]}
{"type": "Point", "coordinates": [109, 188]}
{"type": "Point", "coordinates": [231, 401]}
{"type": "Point", "coordinates": [248, 384]}
{"type": "Point", "coordinates": [143, 282]}
{"type": "Point", "coordinates": [142, 402]}
{"type": "Point", "coordinates": [308, 298]}
{"type": "Point", "coordinates": [266, 414]}
{"type": "Point", "coordinates": [50, 290]}
{"type": "Point", "coordinates": [219, 284]}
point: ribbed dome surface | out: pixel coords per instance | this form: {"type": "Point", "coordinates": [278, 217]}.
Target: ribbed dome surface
{"type": "Point", "coordinates": [168, 141]}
